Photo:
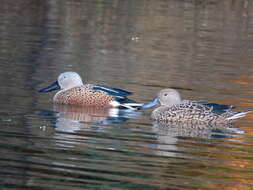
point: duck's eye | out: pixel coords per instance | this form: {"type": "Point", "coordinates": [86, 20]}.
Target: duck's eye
{"type": "Point", "coordinates": [165, 94]}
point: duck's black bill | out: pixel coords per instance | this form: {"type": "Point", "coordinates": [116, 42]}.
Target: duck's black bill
{"type": "Point", "coordinates": [54, 86]}
{"type": "Point", "coordinates": [150, 104]}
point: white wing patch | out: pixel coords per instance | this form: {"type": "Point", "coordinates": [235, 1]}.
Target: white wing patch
{"type": "Point", "coordinates": [108, 89]}
{"type": "Point", "coordinates": [114, 103]}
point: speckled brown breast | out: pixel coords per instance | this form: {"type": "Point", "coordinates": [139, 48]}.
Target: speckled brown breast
{"type": "Point", "coordinates": [83, 95]}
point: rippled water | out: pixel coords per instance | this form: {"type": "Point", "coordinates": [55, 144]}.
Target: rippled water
{"type": "Point", "coordinates": [202, 48]}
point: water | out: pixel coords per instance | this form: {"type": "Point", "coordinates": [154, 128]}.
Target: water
{"type": "Point", "coordinates": [202, 48]}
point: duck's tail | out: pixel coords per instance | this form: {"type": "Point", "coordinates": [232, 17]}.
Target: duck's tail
{"type": "Point", "coordinates": [133, 106]}
{"type": "Point", "coordinates": [238, 115]}
{"type": "Point", "coordinates": [126, 103]}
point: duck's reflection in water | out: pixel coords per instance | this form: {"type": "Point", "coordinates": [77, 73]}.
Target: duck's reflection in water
{"type": "Point", "coordinates": [72, 118]}
{"type": "Point", "coordinates": [72, 121]}
{"type": "Point", "coordinates": [170, 134]}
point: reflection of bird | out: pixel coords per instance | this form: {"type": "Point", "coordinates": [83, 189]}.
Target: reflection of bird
{"type": "Point", "coordinates": [89, 114]}
{"type": "Point", "coordinates": [74, 92]}
{"type": "Point", "coordinates": [174, 109]}
{"type": "Point", "coordinates": [92, 114]}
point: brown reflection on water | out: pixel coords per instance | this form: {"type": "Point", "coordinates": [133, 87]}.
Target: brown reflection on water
{"type": "Point", "coordinates": [85, 114]}
{"type": "Point", "coordinates": [228, 159]}
{"type": "Point", "coordinates": [71, 118]}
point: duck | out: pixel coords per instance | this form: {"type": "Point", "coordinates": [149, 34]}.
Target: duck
{"type": "Point", "coordinates": [173, 109]}
{"type": "Point", "coordinates": [72, 91]}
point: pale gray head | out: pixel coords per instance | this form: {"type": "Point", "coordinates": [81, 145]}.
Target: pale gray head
{"type": "Point", "coordinates": [65, 81]}
{"type": "Point", "coordinates": [165, 97]}
{"type": "Point", "coordinates": [168, 97]}
{"type": "Point", "coordinates": [69, 80]}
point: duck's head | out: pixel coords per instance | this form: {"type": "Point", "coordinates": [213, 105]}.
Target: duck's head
{"type": "Point", "coordinates": [168, 97]}
{"type": "Point", "coordinates": [165, 97]}
{"type": "Point", "coordinates": [65, 81]}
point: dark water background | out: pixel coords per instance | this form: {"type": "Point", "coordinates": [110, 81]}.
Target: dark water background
{"type": "Point", "coordinates": [204, 48]}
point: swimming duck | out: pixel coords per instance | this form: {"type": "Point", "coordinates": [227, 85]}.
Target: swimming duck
{"type": "Point", "coordinates": [74, 92]}
{"type": "Point", "coordinates": [174, 109]}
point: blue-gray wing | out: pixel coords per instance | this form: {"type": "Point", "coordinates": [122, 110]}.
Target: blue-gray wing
{"type": "Point", "coordinates": [218, 108]}
{"type": "Point", "coordinates": [112, 91]}
{"type": "Point", "coordinates": [213, 107]}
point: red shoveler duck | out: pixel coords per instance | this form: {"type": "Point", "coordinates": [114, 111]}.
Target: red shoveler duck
{"type": "Point", "coordinates": [74, 92]}
{"type": "Point", "coordinates": [174, 109]}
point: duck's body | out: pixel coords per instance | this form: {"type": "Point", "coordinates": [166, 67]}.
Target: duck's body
{"type": "Point", "coordinates": [195, 111]}
{"type": "Point", "coordinates": [83, 95]}
{"type": "Point", "coordinates": [74, 92]}
{"type": "Point", "coordinates": [174, 109]}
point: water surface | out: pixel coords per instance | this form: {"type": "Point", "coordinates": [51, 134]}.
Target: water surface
{"type": "Point", "coordinates": [202, 48]}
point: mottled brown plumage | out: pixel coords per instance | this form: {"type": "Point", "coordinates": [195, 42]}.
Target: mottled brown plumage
{"type": "Point", "coordinates": [83, 95]}
{"type": "Point", "coordinates": [190, 111]}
